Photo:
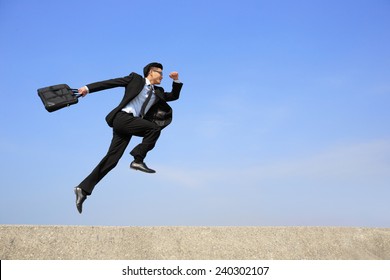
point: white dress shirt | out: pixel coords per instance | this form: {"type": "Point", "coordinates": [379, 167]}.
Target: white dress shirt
{"type": "Point", "coordinates": [135, 105]}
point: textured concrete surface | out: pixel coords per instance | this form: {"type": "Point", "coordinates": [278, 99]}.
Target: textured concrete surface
{"type": "Point", "coordinates": [188, 243]}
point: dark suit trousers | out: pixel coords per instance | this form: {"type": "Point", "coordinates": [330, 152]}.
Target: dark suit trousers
{"type": "Point", "coordinates": [124, 127]}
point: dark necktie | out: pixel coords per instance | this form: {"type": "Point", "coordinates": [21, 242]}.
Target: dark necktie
{"type": "Point", "coordinates": [149, 93]}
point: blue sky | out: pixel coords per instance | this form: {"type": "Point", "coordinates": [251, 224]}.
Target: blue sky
{"type": "Point", "coordinates": [283, 118]}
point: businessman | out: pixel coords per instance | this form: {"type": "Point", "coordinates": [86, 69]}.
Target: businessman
{"type": "Point", "coordinates": [142, 112]}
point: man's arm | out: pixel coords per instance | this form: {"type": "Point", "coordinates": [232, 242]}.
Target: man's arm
{"type": "Point", "coordinates": [176, 87]}
{"type": "Point", "coordinates": [107, 84]}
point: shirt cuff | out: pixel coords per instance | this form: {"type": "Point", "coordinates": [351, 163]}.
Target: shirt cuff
{"type": "Point", "coordinates": [87, 89]}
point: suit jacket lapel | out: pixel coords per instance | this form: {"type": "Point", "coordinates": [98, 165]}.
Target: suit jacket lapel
{"type": "Point", "coordinates": [159, 93]}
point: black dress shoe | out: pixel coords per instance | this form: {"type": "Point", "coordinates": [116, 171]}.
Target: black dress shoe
{"type": "Point", "coordinates": [81, 196]}
{"type": "Point", "coordinates": [141, 166]}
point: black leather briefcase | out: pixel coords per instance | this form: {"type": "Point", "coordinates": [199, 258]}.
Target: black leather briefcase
{"type": "Point", "coordinates": [58, 96]}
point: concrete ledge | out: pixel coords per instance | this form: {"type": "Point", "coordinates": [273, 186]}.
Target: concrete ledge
{"type": "Point", "coordinates": [187, 243]}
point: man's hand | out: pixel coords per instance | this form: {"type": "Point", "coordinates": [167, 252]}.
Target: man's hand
{"type": "Point", "coordinates": [83, 91]}
{"type": "Point", "coordinates": [174, 75]}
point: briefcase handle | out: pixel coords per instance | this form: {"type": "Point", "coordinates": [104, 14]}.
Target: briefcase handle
{"type": "Point", "coordinates": [76, 92]}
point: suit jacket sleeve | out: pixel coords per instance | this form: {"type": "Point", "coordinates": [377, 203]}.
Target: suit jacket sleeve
{"type": "Point", "coordinates": [175, 93]}
{"type": "Point", "coordinates": [112, 83]}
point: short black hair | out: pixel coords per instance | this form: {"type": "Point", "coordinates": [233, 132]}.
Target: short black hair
{"type": "Point", "coordinates": [150, 65]}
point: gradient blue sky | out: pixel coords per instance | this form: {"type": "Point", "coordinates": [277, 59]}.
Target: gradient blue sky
{"type": "Point", "coordinates": [283, 118]}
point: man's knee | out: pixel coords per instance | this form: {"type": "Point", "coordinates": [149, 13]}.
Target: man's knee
{"type": "Point", "coordinates": [156, 129]}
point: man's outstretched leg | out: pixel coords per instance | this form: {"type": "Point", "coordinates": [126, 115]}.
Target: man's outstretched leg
{"type": "Point", "coordinates": [115, 152]}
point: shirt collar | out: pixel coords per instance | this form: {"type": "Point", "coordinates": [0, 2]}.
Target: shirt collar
{"type": "Point", "coordinates": [147, 82]}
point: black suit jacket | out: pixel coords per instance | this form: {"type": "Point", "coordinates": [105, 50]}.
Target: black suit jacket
{"type": "Point", "coordinates": [160, 113]}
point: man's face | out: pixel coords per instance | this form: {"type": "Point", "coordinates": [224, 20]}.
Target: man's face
{"type": "Point", "coordinates": [155, 76]}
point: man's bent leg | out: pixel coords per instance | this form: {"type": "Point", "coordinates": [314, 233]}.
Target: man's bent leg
{"type": "Point", "coordinates": [151, 134]}
{"type": "Point", "coordinates": [130, 125]}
